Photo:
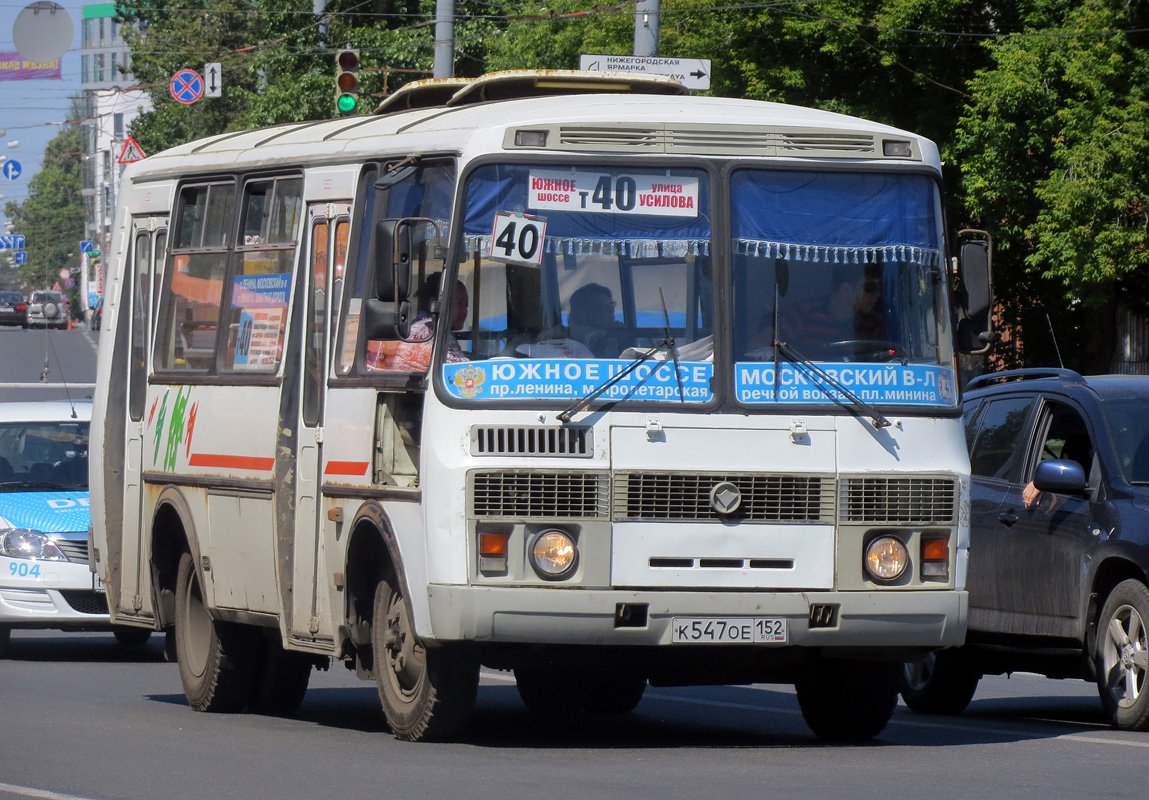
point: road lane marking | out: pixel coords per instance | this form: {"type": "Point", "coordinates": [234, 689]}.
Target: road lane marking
{"type": "Point", "coordinates": [28, 791]}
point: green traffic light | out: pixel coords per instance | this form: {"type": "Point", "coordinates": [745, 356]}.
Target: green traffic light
{"type": "Point", "coordinates": [346, 103]}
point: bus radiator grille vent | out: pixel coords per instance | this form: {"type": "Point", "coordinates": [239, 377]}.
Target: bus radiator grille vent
{"type": "Point", "coordinates": [612, 138]}
{"type": "Point", "coordinates": [75, 550]}
{"type": "Point", "coordinates": [899, 500]}
{"type": "Point", "coordinates": [764, 498]}
{"type": "Point", "coordinates": [825, 143]}
{"type": "Point", "coordinates": [523, 494]}
{"type": "Point", "coordinates": [544, 441]}
{"type": "Point", "coordinates": [85, 602]}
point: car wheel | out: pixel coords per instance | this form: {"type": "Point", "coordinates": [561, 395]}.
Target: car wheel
{"type": "Point", "coordinates": [5, 640]}
{"type": "Point", "coordinates": [940, 683]}
{"type": "Point", "coordinates": [282, 681]}
{"type": "Point", "coordinates": [427, 693]}
{"type": "Point", "coordinates": [217, 661]}
{"type": "Point", "coordinates": [131, 637]}
{"type": "Point", "coordinates": [848, 700]}
{"type": "Point", "coordinates": [1122, 657]}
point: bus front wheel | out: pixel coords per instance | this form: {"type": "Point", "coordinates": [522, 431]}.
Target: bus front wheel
{"type": "Point", "coordinates": [848, 700]}
{"type": "Point", "coordinates": [427, 693]}
{"type": "Point", "coordinates": [217, 661]}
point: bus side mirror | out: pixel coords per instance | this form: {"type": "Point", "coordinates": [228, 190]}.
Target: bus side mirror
{"type": "Point", "coordinates": [975, 299]}
{"type": "Point", "coordinates": [387, 315]}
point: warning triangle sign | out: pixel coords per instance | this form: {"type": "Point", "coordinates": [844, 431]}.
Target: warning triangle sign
{"type": "Point", "coordinates": [132, 152]}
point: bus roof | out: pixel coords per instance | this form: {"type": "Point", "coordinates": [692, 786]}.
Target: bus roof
{"type": "Point", "coordinates": [597, 123]}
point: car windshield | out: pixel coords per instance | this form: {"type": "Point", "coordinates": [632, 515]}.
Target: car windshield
{"type": "Point", "coordinates": [11, 297]}
{"type": "Point", "coordinates": [1129, 426]}
{"type": "Point", "coordinates": [43, 456]}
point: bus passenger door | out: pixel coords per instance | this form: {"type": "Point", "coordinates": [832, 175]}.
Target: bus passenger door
{"type": "Point", "coordinates": [149, 242]}
{"type": "Point", "coordinates": [329, 225]}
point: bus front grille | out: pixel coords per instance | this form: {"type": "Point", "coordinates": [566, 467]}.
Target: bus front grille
{"type": "Point", "coordinates": [529, 494]}
{"type": "Point", "coordinates": [899, 500]}
{"type": "Point", "coordinates": [532, 440]}
{"type": "Point", "coordinates": [687, 497]}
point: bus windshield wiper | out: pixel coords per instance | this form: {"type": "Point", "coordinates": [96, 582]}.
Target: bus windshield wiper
{"type": "Point", "coordinates": [584, 401]}
{"type": "Point", "coordinates": [800, 360]}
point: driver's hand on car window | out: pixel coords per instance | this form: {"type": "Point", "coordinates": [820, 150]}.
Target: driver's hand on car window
{"type": "Point", "coordinates": [1035, 498]}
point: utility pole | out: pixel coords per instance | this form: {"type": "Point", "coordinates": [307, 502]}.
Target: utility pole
{"type": "Point", "coordinates": [646, 27]}
{"type": "Point", "coordinates": [444, 39]}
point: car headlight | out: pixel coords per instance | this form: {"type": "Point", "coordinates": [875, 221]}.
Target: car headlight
{"type": "Point", "coordinates": [25, 543]}
{"type": "Point", "coordinates": [553, 554]}
{"type": "Point", "coordinates": [886, 558]}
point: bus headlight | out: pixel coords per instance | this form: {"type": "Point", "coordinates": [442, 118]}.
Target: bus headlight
{"type": "Point", "coordinates": [886, 558]}
{"type": "Point", "coordinates": [26, 543]}
{"type": "Point", "coordinates": [553, 554]}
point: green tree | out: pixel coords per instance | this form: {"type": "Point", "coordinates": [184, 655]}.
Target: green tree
{"type": "Point", "coordinates": [1054, 153]}
{"type": "Point", "coordinates": [51, 217]}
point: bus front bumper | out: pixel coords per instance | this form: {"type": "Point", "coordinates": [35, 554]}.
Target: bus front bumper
{"type": "Point", "coordinates": [910, 619]}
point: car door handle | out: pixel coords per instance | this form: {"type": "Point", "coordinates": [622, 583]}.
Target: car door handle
{"type": "Point", "coordinates": [1007, 518]}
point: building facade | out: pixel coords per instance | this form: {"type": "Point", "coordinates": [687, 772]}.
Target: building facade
{"type": "Point", "coordinates": [110, 105]}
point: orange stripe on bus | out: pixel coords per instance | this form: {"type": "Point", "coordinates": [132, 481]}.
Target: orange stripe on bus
{"type": "Point", "coordinates": [230, 462]}
{"type": "Point", "coordinates": [346, 468]}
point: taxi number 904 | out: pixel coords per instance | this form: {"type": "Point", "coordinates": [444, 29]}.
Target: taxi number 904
{"type": "Point", "coordinates": [728, 630]}
{"type": "Point", "coordinates": [19, 569]}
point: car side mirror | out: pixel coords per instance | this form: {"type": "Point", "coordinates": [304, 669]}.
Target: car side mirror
{"type": "Point", "coordinates": [1062, 476]}
{"type": "Point", "coordinates": [975, 297]}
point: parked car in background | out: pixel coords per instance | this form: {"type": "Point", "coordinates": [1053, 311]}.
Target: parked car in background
{"type": "Point", "coordinates": [13, 309]}
{"type": "Point", "coordinates": [1059, 541]}
{"type": "Point", "coordinates": [49, 309]}
{"type": "Point", "coordinates": [45, 580]}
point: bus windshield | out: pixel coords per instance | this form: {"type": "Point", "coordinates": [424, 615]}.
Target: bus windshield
{"type": "Point", "coordinates": [573, 273]}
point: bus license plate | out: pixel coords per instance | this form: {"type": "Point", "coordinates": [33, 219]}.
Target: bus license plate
{"type": "Point", "coordinates": [728, 630]}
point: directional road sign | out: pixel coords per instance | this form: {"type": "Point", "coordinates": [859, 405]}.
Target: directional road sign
{"type": "Point", "coordinates": [87, 246]}
{"type": "Point", "coordinates": [213, 79]}
{"type": "Point", "coordinates": [693, 73]}
{"type": "Point", "coordinates": [186, 86]}
{"type": "Point", "coordinates": [12, 241]}
{"type": "Point", "coordinates": [20, 256]}
{"type": "Point", "coordinates": [11, 169]}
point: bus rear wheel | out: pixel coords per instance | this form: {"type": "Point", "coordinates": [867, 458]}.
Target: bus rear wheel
{"type": "Point", "coordinates": [217, 661]}
{"type": "Point", "coordinates": [281, 683]}
{"type": "Point", "coordinates": [848, 700]}
{"type": "Point", "coordinates": [427, 693]}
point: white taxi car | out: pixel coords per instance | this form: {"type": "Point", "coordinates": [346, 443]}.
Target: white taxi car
{"type": "Point", "coordinates": [45, 581]}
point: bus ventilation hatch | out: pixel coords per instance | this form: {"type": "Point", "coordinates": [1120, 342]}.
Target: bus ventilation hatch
{"type": "Point", "coordinates": [539, 440]}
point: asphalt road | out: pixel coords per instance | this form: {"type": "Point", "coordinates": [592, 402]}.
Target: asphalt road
{"type": "Point", "coordinates": [82, 717]}
{"type": "Point", "coordinates": [56, 363]}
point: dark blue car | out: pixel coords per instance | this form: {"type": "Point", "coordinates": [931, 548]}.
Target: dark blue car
{"type": "Point", "coordinates": [1059, 541]}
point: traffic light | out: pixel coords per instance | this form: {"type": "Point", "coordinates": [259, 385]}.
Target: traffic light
{"type": "Point", "coordinates": [347, 81]}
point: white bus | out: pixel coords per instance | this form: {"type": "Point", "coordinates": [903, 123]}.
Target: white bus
{"type": "Point", "coordinates": [560, 373]}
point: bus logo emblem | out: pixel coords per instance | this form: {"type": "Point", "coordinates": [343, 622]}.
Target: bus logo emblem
{"type": "Point", "coordinates": [725, 497]}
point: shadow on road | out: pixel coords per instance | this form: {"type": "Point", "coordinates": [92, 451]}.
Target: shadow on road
{"type": "Point", "coordinates": [81, 647]}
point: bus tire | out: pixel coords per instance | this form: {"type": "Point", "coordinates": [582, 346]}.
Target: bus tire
{"type": "Point", "coordinates": [216, 660]}
{"type": "Point", "coordinates": [131, 637]}
{"type": "Point", "coordinates": [938, 684]}
{"type": "Point", "coordinates": [282, 681]}
{"type": "Point", "coordinates": [427, 693]}
{"type": "Point", "coordinates": [550, 692]}
{"type": "Point", "coordinates": [617, 693]}
{"type": "Point", "coordinates": [1120, 659]}
{"type": "Point", "coordinates": [848, 700]}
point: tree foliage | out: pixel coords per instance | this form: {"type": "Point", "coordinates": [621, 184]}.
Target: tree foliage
{"type": "Point", "coordinates": [51, 217]}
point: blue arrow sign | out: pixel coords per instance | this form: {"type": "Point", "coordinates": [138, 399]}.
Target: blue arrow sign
{"type": "Point", "coordinates": [87, 246]}
{"type": "Point", "coordinates": [21, 256]}
{"type": "Point", "coordinates": [12, 241]}
{"type": "Point", "coordinates": [11, 170]}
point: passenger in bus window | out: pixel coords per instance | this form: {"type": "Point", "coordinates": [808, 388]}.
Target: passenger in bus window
{"type": "Point", "coordinates": [415, 356]}
{"type": "Point", "coordinates": [592, 321]}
